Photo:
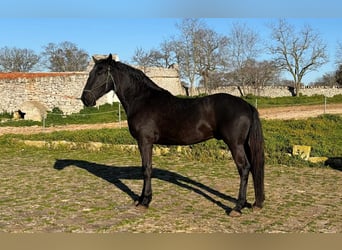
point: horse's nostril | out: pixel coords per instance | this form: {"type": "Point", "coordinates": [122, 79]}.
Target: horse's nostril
{"type": "Point", "coordinates": [88, 99]}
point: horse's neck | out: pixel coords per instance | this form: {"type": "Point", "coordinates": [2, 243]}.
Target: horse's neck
{"type": "Point", "coordinates": [132, 90]}
{"type": "Point", "coordinates": [133, 99]}
{"type": "Point", "coordinates": [128, 93]}
{"type": "Point", "coordinates": [125, 103]}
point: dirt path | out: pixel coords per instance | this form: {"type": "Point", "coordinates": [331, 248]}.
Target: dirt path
{"type": "Point", "coordinates": [299, 112]}
{"type": "Point", "coordinates": [293, 112]}
{"type": "Point", "coordinates": [72, 127]}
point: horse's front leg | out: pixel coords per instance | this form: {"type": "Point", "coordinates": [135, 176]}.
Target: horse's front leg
{"type": "Point", "coordinates": [146, 158]}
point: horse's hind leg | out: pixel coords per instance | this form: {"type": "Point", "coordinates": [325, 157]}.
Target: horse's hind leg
{"type": "Point", "coordinates": [146, 157]}
{"type": "Point", "coordinates": [243, 166]}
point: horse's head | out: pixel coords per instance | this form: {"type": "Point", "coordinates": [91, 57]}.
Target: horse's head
{"type": "Point", "coordinates": [100, 81]}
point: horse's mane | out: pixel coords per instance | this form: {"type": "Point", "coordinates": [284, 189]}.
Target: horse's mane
{"type": "Point", "coordinates": [138, 76]}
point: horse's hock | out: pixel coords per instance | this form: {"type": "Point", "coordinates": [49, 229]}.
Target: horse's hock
{"type": "Point", "coordinates": [33, 110]}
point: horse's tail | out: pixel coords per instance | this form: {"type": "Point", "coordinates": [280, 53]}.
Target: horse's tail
{"type": "Point", "coordinates": [256, 144]}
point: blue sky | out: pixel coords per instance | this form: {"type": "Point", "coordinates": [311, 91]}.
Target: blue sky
{"type": "Point", "coordinates": [100, 27]}
{"type": "Point", "coordinates": [168, 8]}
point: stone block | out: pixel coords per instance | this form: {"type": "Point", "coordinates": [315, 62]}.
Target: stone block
{"type": "Point", "coordinates": [33, 110]}
{"type": "Point", "coordinates": [302, 151]}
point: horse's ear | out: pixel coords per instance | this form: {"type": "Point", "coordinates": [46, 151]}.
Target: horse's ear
{"type": "Point", "coordinates": [94, 59]}
{"type": "Point", "coordinates": [110, 58]}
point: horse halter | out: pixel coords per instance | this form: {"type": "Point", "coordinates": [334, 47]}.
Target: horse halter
{"type": "Point", "coordinates": [109, 75]}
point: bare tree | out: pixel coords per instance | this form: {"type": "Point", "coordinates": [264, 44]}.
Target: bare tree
{"type": "Point", "coordinates": [338, 75]}
{"type": "Point", "coordinates": [17, 60]}
{"type": "Point", "coordinates": [259, 74]}
{"type": "Point", "coordinates": [338, 59]}
{"type": "Point", "coordinates": [328, 79]}
{"type": "Point", "coordinates": [217, 78]}
{"type": "Point", "coordinates": [268, 73]}
{"type": "Point", "coordinates": [168, 53]}
{"type": "Point", "coordinates": [186, 50]}
{"type": "Point", "coordinates": [297, 52]}
{"type": "Point", "coordinates": [162, 57]}
{"type": "Point", "coordinates": [210, 56]}
{"type": "Point", "coordinates": [244, 45]}
{"type": "Point", "coordinates": [65, 56]}
{"type": "Point", "coordinates": [142, 58]}
{"type": "Point", "coordinates": [199, 52]}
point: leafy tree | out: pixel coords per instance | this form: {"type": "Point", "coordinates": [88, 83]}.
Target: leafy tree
{"type": "Point", "coordinates": [17, 60]}
{"type": "Point", "coordinates": [65, 56]}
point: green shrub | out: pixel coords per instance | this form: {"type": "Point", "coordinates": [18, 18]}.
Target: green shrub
{"type": "Point", "coordinates": [6, 115]}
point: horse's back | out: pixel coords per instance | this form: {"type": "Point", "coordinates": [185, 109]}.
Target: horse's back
{"type": "Point", "coordinates": [231, 105]}
{"type": "Point", "coordinates": [174, 120]}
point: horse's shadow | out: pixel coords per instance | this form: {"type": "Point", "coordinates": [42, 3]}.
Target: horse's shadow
{"type": "Point", "coordinates": [334, 162]}
{"type": "Point", "coordinates": [114, 174]}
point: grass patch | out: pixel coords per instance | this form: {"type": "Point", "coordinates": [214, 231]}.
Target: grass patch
{"type": "Point", "coordinates": [323, 134]}
{"type": "Point", "coordinates": [285, 101]}
{"type": "Point", "coordinates": [108, 136]}
{"type": "Point", "coordinates": [88, 115]}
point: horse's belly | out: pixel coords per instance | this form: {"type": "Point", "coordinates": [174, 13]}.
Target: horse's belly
{"type": "Point", "coordinates": [180, 135]}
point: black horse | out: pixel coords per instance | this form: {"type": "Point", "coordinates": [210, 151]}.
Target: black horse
{"type": "Point", "coordinates": [155, 116]}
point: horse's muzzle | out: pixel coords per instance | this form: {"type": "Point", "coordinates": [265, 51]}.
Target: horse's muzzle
{"type": "Point", "coordinates": [88, 98]}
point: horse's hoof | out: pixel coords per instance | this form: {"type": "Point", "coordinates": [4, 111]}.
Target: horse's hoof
{"type": "Point", "coordinates": [139, 206]}
{"type": "Point", "coordinates": [256, 208]}
{"type": "Point", "coordinates": [248, 205]}
{"type": "Point", "coordinates": [235, 213]}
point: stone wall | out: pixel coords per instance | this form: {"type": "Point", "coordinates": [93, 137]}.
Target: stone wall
{"type": "Point", "coordinates": [50, 89]}
{"type": "Point", "coordinates": [165, 78]}
{"type": "Point", "coordinates": [64, 89]}
{"type": "Point", "coordinates": [275, 91]}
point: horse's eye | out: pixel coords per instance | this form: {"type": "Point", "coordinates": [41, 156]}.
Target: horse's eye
{"type": "Point", "coordinates": [99, 70]}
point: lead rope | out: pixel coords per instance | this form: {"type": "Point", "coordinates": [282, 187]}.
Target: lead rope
{"type": "Point", "coordinates": [112, 78]}
{"type": "Point", "coordinates": [107, 82]}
